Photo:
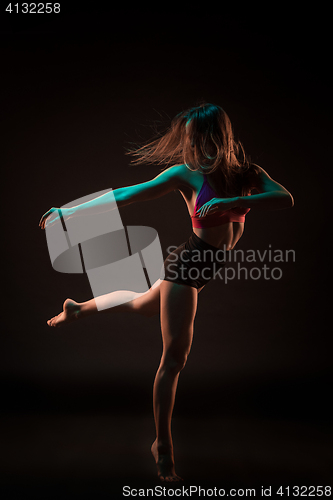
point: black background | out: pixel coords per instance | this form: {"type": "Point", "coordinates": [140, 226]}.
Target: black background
{"type": "Point", "coordinates": [252, 406]}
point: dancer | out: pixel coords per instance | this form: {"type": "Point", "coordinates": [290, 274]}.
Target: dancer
{"type": "Point", "coordinates": [204, 162]}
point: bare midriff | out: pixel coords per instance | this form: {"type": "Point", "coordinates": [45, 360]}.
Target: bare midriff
{"type": "Point", "coordinates": [224, 237]}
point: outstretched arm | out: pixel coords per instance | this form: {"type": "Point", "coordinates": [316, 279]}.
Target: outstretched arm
{"type": "Point", "coordinates": [168, 180]}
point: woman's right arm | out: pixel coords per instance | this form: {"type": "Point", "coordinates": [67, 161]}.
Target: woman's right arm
{"type": "Point", "coordinates": [168, 180]}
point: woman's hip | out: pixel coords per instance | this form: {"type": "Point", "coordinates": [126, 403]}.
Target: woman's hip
{"type": "Point", "coordinates": [194, 263]}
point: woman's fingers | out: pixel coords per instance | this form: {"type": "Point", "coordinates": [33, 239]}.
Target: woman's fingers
{"type": "Point", "coordinates": [42, 222]}
{"type": "Point", "coordinates": [43, 219]}
{"type": "Point", "coordinates": [207, 208]}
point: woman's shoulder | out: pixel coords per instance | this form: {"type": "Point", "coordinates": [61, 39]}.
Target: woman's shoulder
{"type": "Point", "coordinates": [185, 174]}
{"type": "Point", "coordinates": [189, 181]}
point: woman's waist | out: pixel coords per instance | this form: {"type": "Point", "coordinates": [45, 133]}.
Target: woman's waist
{"type": "Point", "coordinates": [221, 237]}
{"type": "Point", "coordinates": [196, 251]}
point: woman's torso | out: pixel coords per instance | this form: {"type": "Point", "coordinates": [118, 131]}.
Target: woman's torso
{"type": "Point", "coordinates": [224, 236]}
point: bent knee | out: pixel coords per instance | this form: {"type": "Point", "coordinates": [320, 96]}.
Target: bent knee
{"type": "Point", "coordinates": [140, 307]}
{"type": "Point", "coordinates": [174, 363]}
{"type": "Point", "coordinates": [146, 304]}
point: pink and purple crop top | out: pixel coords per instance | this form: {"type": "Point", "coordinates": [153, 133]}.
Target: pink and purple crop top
{"type": "Point", "coordinates": [217, 218]}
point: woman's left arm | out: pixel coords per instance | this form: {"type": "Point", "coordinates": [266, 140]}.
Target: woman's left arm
{"type": "Point", "coordinates": [272, 195]}
{"type": "Point", "coordinates": [168, 180]}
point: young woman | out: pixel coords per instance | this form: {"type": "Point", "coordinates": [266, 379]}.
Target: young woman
{"type": "Point", "coordinates": [219, 189]}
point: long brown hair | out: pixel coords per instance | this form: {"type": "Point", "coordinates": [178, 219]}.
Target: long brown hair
{"type": "Point", "coordinates": [201, 138]}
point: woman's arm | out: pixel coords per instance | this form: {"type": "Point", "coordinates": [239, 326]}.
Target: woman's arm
{"type": "Point", "coordinates": [168, 180]}
{"type": "Point", "coordinates": [272, 195]}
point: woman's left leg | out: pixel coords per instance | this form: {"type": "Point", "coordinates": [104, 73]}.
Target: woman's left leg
{"type": "Point", "coordinates": [178, 307]}
{"type": "Point", "coordinates": [146, 304]}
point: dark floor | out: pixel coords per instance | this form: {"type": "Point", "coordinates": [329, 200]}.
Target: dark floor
{"type": "Point", "coordinates": [94, 455]}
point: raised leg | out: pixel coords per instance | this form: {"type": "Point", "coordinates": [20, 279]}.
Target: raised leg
{"type": "Point", "coordinates": [178, 308]}
{"type": "Point", "coordinates": [147, 304]}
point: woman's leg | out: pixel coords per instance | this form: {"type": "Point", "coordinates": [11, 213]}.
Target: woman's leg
{"type": "Point", "coordinates": [178, 308]}
{"type": "Point", "coordinates": [147, 304]}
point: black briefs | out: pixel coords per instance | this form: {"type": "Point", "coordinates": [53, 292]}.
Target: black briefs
{"type": "Point", "coordinates": [194, 263]}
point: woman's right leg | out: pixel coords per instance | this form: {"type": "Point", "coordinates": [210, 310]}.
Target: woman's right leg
{"type": "Point", "coordinates": [146, 304]}
{"type": "Point", "coordinates": [178, 309]}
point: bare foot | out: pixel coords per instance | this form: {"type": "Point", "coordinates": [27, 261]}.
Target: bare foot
{"type": "Point", "coordinates": [165, 465]}
{"type": "Point", "coordinates": [70, 313]}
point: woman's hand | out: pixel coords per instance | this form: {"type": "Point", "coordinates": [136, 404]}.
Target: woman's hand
{"type": "Point", "coordinates": [53, 216]}
{"type": "Point", "coordinates": [216, 205]}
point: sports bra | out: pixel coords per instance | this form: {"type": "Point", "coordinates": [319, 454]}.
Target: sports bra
{"type": "Point", "coordinates": [206, 193]}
